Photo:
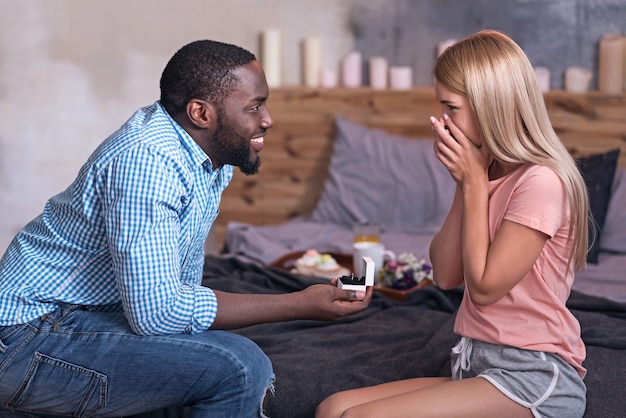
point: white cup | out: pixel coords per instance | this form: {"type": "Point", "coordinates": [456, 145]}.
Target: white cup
{"type": "Point", "coordinates": [375, 250]}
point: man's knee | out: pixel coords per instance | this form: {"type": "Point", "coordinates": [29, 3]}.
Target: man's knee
{"type": "Point", "coordinates": [258, 366]}
{"type": "Point", "coordinates": [250, 382]}
{"type": "Point", "coordinates": [247, 361]}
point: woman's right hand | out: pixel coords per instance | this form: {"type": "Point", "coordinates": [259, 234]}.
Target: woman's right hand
{"type": "Point", "coordinates": [462, 157]}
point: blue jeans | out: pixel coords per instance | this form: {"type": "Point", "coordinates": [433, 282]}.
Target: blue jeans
{"type": "Point", "coordinates": [79, 363]}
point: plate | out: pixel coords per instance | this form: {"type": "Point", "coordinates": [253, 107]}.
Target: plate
{"type": "Point", "coordinates": [401, 294]}
{"type": "Point", "coordinates": [288, 262]}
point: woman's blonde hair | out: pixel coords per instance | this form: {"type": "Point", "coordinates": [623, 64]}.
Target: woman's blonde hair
{"type": "Point", "coordinates": [493, 72]}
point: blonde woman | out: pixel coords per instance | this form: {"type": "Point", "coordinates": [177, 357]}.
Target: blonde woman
{"type": "Point", "coordinates": [514, 235]}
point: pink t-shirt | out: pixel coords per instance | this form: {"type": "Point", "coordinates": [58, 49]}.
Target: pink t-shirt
{"type": "Point", "coordinates": [533, 314]}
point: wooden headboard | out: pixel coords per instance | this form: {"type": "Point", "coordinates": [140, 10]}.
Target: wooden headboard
{"type": "Point", "coordinates": [298, 148]}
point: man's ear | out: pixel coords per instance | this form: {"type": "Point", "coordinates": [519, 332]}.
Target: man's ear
{"type": "Point", "coordinates": [201, 113]}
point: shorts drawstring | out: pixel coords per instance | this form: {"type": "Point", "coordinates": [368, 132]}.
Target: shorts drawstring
{"type": "Point", "coordinates": [463, 350]}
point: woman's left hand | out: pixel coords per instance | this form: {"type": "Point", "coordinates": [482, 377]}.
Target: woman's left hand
{"type": "Point", "coordinates": [461, 156]}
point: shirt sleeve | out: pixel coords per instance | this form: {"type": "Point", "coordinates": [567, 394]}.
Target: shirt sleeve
{"type": "Point", "coordinates": [539, 201]}
{"type": "Point", "coordinates": [143, 197]}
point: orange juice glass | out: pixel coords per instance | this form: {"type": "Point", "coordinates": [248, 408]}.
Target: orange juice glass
{"type": "Point", "coordinates": [366, 232]}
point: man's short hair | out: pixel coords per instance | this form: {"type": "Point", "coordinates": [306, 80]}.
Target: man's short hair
{"type": "Point", "coordinates": [201, 70]}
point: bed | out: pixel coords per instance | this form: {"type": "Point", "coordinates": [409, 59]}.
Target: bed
{"type": "Point", "coordinates": [398, 339]}
{"type": "Point", "coordinates": [340, 157]}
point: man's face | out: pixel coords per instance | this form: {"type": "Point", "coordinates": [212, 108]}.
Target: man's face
{"type": "Point", "coordinates": [243, 121]}
{"type": "Point", "coordinates": [235, 148]}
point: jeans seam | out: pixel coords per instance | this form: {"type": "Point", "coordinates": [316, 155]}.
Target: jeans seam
{"type": "Point", "coordinates": [11, 356]}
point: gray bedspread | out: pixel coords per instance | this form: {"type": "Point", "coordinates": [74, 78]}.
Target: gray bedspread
{"type": "Point", "coordinates": [394, 340]}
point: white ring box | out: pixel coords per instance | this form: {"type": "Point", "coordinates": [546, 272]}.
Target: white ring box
{"type": "Point", "coordinates": [359, 283]}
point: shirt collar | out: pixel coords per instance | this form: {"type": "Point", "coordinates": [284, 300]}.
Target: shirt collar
{"type": "Point", "coordinates": [196, 155]}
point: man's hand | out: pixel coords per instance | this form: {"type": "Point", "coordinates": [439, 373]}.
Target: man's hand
{"type": "Point", "coordinates": [328, 303]}
{"type": "Point", "coordinates": [321, 302]}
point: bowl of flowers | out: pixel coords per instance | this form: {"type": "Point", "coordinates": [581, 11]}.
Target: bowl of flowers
{"type": "Point", "coordinates": [403, 275]}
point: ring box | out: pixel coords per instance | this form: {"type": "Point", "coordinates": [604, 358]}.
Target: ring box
{"type": "Point", "coordinates": [359, 283]}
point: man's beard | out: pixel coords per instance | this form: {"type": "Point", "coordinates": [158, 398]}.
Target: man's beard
{"type": "Point", "coordinates": [239, 156]}
{"type": "Point", "coordinates": [250, 167]}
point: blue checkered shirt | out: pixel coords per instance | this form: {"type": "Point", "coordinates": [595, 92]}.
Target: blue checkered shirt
{"type": "Point", "coordinates": [128, 234]}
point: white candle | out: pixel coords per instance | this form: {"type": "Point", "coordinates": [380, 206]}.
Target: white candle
{"type": "Point", "coordinates": [328, 77]}
{"type": "Point", "coordinates": [311, 65]}
{"type": "Point", "coordinates": [443, 45]}
{"type": "Point", "coordinates": [351, 70]}
{"type": "Point", "coordinates": [625, 62]}
{"type": "Point", "coordinates": [611, 64]}
{"type": "Point", "coordinates": [378, 72]}
{"type": "Point", "coordinates": [401, 78]}
{"type": "Point", "coordinates": [577, 79]}
{"type": "Point", "coordinates": [543, 78]}
{"type": "Point", "coordinates": [270, 56]}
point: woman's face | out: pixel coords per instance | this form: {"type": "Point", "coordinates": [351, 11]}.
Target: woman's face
{"type": "Point", "coordinates": [457, 107]}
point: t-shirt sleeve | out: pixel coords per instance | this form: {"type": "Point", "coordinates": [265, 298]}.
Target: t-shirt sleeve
{"type": "Point", "coordinates": [539, 201]}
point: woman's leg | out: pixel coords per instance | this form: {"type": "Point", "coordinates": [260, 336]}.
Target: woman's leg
{"type": "Point", "coordinates": [423, 397]}
{"type": "Point", "coordinates": [336, 404]}
{"type": "Point", "coordinates": [81, 362]}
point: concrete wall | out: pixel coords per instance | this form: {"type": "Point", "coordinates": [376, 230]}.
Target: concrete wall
{"type": "Point", "coordinates": [72, 71]}
{"type": "Point", "coordinates": [554, 33]}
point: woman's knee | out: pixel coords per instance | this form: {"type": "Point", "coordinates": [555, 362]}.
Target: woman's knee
{"type": "Point", "coordinates": [331, 407]}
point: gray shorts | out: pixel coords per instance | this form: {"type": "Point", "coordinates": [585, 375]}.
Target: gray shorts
{"type": "Point", "coordinates": [542, 382]}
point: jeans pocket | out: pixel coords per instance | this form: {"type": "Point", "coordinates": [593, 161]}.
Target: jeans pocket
{"type": "Point", "coordinates": [84, 390]}
{"type": "Point", "coordinates": [12, 340]}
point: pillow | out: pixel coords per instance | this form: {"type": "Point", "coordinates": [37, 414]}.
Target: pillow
{"type": "Point", "coordinates": [598, 172]}
{"type": "Point", "coordinates": [392, 180]}
{"type": "Point", "coordinates": [614, 230]}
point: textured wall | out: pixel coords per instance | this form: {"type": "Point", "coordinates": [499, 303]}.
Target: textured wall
{"type": "Point", "coordinates": [71, 71]}
{"type": "Point", "coordinates": [554, 33]}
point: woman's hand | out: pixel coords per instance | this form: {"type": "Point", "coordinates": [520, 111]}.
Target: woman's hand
{"type": "Point", "coordinates": [460, 247]}
{"type": "Point", "coordinates": [460, 155]}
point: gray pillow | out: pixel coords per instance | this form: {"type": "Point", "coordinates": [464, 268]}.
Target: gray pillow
{"type": "Point", "coordinates": [613, 237]}
{"type": "Point", "coordinates": [378, 177]}
{"type": "Point", "coordinates": [598, 172]}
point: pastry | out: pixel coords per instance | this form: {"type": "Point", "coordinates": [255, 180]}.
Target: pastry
{"type": "Point", "coordinates": [314, 263]}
